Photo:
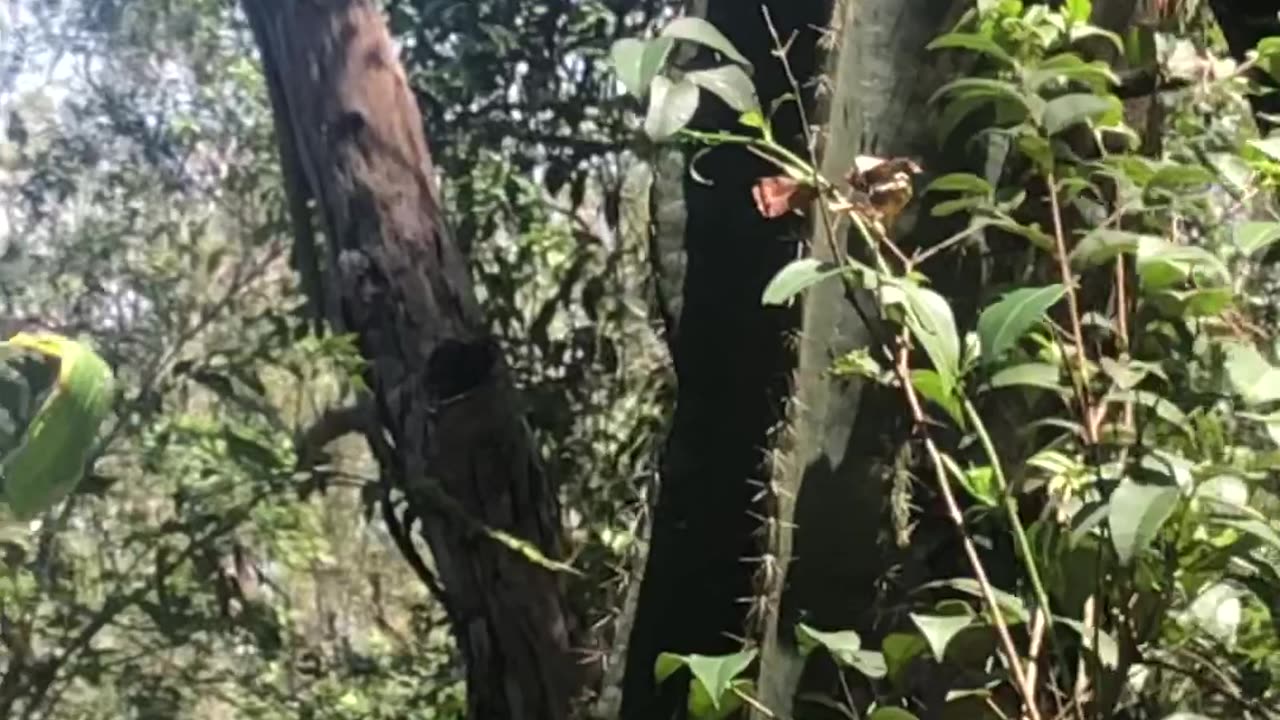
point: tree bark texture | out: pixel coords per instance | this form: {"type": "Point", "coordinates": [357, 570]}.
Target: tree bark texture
{"type": "Point", "coordinates": [449, 434]}
{"type": "Point", "coordinates": [713, 255]}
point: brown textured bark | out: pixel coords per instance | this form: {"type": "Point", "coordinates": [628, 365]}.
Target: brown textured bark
{"type": "Point", "coordinates": [448, 432]}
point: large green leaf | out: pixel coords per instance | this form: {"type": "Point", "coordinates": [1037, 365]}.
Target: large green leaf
{"type": "Point", "coordinates": [1033, 374]}
{"type": "Point", "coordinates": [1135, 513]}
{"type": "Point", "coordinates": [627, 56]}
{"type": "Point", "coordinates": [671, 106]}
{"type": "Point", "coordinates": [974, 42]}
{"type": "Point", "coordinates": [1253, 378]}
{"type": "Point", "coordinates": [715, 674]}
{"type": "Point", "coordinates": [730, 83]}
{"type": "Point", "coordinates": [1250, 237]}
{"type": "Point", "coordinates": [1004, 323]}
{"type": "Point", "coordinates": [930, 320]}
{"type": "Point", "coordinates": [1062, 112]}
{"type": "Point", "coordinates": [1104, 244]}
{"type": "Point", "coordinates": [796, 277]}
{"type": "Point", "coordinates": [697, 30]}
{"type": "Point", "coordinates": [51, 457]}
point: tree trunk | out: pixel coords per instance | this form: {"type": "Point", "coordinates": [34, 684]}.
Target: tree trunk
{"type": "Point", "coordinates": [448, 432]}
{"type": "Point", "coordinates": [713, 256]}
{"type": "Point", "coordinates": [836, 479]}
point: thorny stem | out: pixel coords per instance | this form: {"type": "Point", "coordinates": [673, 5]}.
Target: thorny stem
{"type": "Point", "coordinates": [1024, 683]}
{"type": "Point", "coordinates": [1073, 302]}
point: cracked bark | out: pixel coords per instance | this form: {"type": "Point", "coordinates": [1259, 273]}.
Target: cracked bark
{"type": "Point", "coordinates": [351, 138]}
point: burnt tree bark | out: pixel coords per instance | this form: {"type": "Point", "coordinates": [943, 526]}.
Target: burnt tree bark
{"type": "Point", "coordinates": [447, 431]}
{"type": "Point", "coordinates": [713, 255]}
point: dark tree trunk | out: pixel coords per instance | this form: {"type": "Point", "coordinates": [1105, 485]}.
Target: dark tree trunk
{"type": "Point", "coordinates": [448, 433]}
{"type": "Point", "coordinates": [714, 255]}
{"type": "Point", "coordinates": [1245, 23]}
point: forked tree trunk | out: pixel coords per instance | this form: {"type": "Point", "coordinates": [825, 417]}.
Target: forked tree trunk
{"type": "Point", "coordinates": [448, 433]}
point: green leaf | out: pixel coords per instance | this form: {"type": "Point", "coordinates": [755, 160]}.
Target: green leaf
{"type": "Point", "coordinates": [1255, 380]}
{"type": "Point", "coordinates": [1062, 112]}
{"type": "Point", "coordinates": [1012, 607]}
{"type": "Point", "coordinates": [1078, 11]}
{"type": "Point", "coordinates": [730, 83]}
{"type": "Point", "coordinates": [627, 56]}
{"type": "Point", "coordinates": [1070, 67]}
{"type": "Point", "coordinates": [939, 630]}
{"type": "Point", "coordinates": [1164, 408]}
{"type": "Point", "coordinates": [960, 182]}
{"type": "Point", "coordinates": [899, 650]}
{"type": "Point", "coordinates": [50, 459]}
{"type": "Point", "coordinates": [972, 41]}
{"type": "Point", "coordinates": [1083, 32]}
{"type": "Point", "coordinates": [1250, 237]}
{"type": "Point", "coordinates": [671, 107]}
{"type": "Point", "coordinates": [933, 325]}
{"type": "Point", "coordinates": [1161, 265]}
{"type": "Point", "coordinates": [986, 89]}
{"type": "Point", "coordinates": [697, 30]}
{"type": "Point", "coordinates": [951, 207]}
{"type": "Point", "coordinates": [941, 393]}
{"type": "Point", "coordinates": [978, 482]}
{"type": "Point", "coordinates": [1033, 374]}
{"type": "Point", "coordinates": [1269, 146]}
{"type": "Point", "coordinates": [796, 277]}
{"type": "Point", "coordinates": [656, 52]}
{"type": "Point", "coordinates": [891, 713]}
{"type": "Point", "coordinates": [1003, 324]}
{"type": "Point", "coordinates": [1104, 244]}
{"type": "Point", "coordinates": [1108, 651]}
{"type": "Point", "coordinates": [1135, 514]}
{"type": "Point", "coordinates": [1181, 178]}
{"type": "Point", "coordinates": [715, 674]}
{"type": "Point", "coordinates": [845, 647]}
{"type": "Point", "coordinates": [1256, 528]}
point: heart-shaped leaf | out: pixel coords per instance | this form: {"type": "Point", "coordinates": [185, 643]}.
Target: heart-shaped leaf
{"type": "Point", "coordinates": [844, 646]}
{"type": "Point", "coordinates": [939, 630]}
{"type": "Point", "coordinates": [715, 674]}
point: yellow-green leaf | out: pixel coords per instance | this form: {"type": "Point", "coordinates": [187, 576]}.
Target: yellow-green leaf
{"type": "Point", "coordinates": [50, 459]}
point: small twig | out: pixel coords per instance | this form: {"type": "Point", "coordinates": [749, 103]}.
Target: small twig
{"type": "Point", "coordinates": [1073, 302]}
{"type": "Point", "coordinates": [1082, 672]}
{"type": "Point", "coordinates": [1122, 322]}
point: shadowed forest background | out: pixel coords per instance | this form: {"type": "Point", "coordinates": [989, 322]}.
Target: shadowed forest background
{"type": "Point", "coordinates": [446, 388]}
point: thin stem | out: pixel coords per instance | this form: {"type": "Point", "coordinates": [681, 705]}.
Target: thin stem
{"type": "Point", "coordinates": [1073, 302]}
{"type": "Point", "coordinates": [1025, 688]}
{"type": "Point", "coordinates": [1015, 519]}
